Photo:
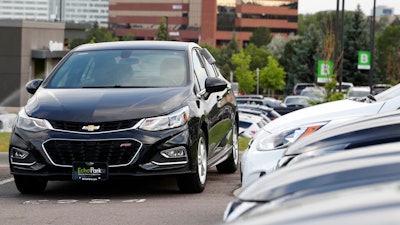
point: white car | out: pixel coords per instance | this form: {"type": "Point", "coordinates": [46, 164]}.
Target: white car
{"type": "Point", "coordinates": [296, 101]}
{"type": "Point", "coordinates": [358, 91]}
{"type": "Point", "coordinates": [250, 124]}
{"type": "Point", "coordinates": [267, 147]}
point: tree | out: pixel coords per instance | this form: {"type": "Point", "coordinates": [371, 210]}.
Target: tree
{"type": "Point", "coordinates": [259, 56]}
{"type": "Point", "coordinates": [277, 45]}
{"type": "Point", "coordinates": [356, 39]}
{"type": "Point", "coordinates": [243, 75]}
{"type": "Point", "coordinates": [99, 34]}
{"type": "Point", "coordinates": [381, 24]}
{"type": "Point", "coordinates": [162, 31]}
{"type": "Point", "coordinates": [128, 37]}
{"type": "Point", "coordinates": [396, 22]}
{"type": "Point", "coordinates": [388, 55]}
{"type": "Point", "coordinates": [94, 35]}
{"type": "Point", "coordinates": [226, 52]}
{"type": "Point", "coordinates": [272, 77]}
{"type": "Point", "coordinates": [261, 36]}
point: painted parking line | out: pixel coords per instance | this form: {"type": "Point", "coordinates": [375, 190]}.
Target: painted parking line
{"type": "Point", "coordinates": [73, 201]}
{"type": "Point", "coordinates": [6, 181]}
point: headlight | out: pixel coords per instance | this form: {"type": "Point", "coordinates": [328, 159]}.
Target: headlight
{"type": "Point", "coordinates": [285, 138]}
{"type": "Point", "coordinates": [175, 119]}
{"type": "Point", "coordinates": [31, 124]}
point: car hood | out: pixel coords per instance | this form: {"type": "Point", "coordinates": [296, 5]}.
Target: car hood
{"type": "Point", "coordinates": [373, 162]}
{"type": "Point", "coordinates": [323, 112]}
{"type": "Point", "coordinates": [367, 130]}
{"type": "Point", "coordinates": [99, 105]}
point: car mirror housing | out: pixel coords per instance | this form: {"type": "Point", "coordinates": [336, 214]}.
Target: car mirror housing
{"type": "Point", "coordinates": [214, 84]}
{"type": "Point", "coordinates": [32, 86]}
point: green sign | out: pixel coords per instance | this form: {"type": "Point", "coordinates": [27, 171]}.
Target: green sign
{"type": "Point", "coordinates": [325, 71]}
{"type": "Point", "coordinates": [364, 60]}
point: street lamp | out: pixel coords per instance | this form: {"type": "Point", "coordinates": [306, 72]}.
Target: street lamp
{"type": "Point", "coordinates": [258, 80]}
{"type": "Point", "coordinates": [372, 46]}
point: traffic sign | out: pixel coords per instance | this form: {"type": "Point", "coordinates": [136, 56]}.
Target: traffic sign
{"type": "Point", "coordinates": [325, 71]}
{"type": "Point", "coordinates": [364, 60]}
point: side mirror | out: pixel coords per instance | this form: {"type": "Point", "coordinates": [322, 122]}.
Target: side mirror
{"type": "Point", "coordinates": [214, 84]}
{"type": "Point", "coordinates": [32, 86]}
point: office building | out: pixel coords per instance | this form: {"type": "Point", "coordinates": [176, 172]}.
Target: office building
{"type": "Point", "coordinates": [206, 21]}
{"type": "Point", "coordinates": [77, 11]}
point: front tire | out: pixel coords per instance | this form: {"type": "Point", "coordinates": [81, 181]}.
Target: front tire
{"type": "Point", "coordinates": [196, 182]}
{"type": "Point", "coordinates": [30, 184]}
{"type": "Point", "coordinates": [230, 165]}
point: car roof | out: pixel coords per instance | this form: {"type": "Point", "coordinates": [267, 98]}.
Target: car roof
{"type": "Point", "coordinates": [175, 45]}
{"type": "Point", "coordinates": [372, 162]}
{"type": "Point", "coordinates": [362, 131]}
{"type": "Point", "coordinates": [244, 116]}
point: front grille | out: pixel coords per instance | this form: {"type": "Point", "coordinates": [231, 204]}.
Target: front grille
{"type": "Point", "coordinates": [103, 127]}
{"type": "Point", "coordinates": [114, 152]}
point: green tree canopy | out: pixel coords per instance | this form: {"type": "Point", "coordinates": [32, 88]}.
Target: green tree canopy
{"type": "Point", "coordinates": [356, 39]}
{"type": "Point", "coordinates": [261, 36]}
{"type": "Point", "coordinates": [259, 56]}
{"type": "Point", "coordinates": [162, 31]}
{"type": "Point", "coordinates": [300, 58]}
{"type": "Point", "coordinates": [94, 35]}
{"type": "Point", "coordinates": [388, 58]}
{"type": "Point", "coordinates": [272, 77]}
{"type": "Point", "coordinates": [243, 75]}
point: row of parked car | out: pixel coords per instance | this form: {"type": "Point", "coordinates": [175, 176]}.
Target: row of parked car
{"type": "Point", "coordinates": [290, 174]}
{"type": "Point", "coordinates": [255, 111]}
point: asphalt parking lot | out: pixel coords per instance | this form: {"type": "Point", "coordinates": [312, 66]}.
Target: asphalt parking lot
{"type": "Point", "coordinates": [4, 171]}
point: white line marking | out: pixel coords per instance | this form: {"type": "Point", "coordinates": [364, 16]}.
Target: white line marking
{"type": "Point", "coordinates": [6, 181]}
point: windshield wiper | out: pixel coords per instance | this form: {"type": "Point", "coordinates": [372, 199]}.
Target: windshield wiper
{"type": "Point", "coordinates": [368, 98]}
{"type": "Point", "coordinates": [371, 97]}
{"type": "Point", "coordinates": [106, 86]}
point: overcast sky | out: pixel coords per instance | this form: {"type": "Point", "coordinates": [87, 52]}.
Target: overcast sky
{"type": "Point", "coordinates": [313, 6]}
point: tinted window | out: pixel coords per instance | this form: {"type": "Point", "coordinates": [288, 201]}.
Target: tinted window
{"type": "Point", "coordinates": [199, 70]}
{"type": "Point", "coordinates": [122, 68]}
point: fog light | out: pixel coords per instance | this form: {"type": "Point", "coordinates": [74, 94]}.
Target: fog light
{"type": "Point", "coordinates": [19, 154]}
{"type": "Point", "coordinates": [174, 152]}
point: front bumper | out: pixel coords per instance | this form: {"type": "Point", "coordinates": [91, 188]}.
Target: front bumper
{"type": "Point", "coordinates": [126, 153]}
{"type": "Point", "coordinates": [255, 164]}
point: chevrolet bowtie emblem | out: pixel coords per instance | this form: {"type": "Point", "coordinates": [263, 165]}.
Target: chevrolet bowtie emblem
{"type": "Point", "coordinates": [90, 128]}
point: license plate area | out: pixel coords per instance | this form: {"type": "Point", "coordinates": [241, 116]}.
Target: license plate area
{"type": "Point", "coordinates": [89, 171]}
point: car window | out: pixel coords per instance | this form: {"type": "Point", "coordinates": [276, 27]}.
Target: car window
{"type": "Point", "coordinates": [244, 124]}
{"type": "Point", "coordinates": [210, 68]}
{"type": "Point", "coordinates": [200, 72]}
{"type": "Point", "coordinates": [122, 68]}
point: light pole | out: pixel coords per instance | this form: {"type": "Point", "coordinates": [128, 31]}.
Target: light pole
{"type": "Point", "coordinates": [372, 46]}
{"type": "Point", "coordinates": [258, 80]}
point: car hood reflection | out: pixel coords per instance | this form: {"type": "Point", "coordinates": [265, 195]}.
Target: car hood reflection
{"type": "Point", "coordinates": [99, 105]}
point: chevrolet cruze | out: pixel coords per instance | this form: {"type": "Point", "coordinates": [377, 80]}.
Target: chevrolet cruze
{"type": "Point", "coordinates": [125, 109]}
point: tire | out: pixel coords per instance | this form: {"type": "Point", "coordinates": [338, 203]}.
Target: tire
{"type": "Point", "coordinates": [230, 165]}
{"type": "Point", "coordinates": [30, 184]}
{"type": "Point", "coordinates": [196, 182]}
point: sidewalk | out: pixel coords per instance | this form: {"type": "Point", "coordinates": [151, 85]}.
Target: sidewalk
{"type": "Point", "coordinates": [3, 159]}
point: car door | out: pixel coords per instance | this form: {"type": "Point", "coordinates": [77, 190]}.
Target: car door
{"type": "Point", "coordinates": [219, 108]}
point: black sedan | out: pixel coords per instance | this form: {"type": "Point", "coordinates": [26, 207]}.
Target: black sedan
{"type": "Point", "coordinates": [364, 131]}
{"type": "Point", "coordinates": [126, 109]}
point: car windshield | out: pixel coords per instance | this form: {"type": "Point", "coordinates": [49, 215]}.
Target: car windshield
{"type": "Point", "coordinates": [389, 93]}
{"type": "Point", "coordinates": [121, 68]}
{"type": "Point", "coordinates": [293, 101]}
